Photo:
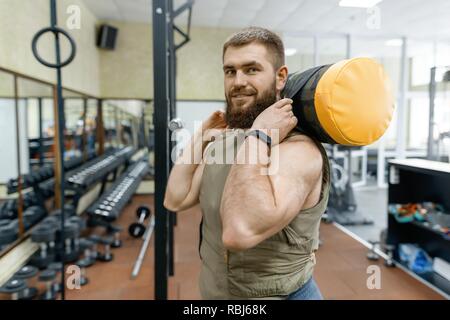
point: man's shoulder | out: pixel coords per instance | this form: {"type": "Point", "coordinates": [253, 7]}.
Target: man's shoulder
{"type": "Point", "coordinates": [300, 141]}
{"type": "Point", "coordinates": [302, 153]}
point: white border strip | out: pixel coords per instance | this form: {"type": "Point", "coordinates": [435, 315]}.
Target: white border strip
{"type": "Point", "coordinates": [384, 256]}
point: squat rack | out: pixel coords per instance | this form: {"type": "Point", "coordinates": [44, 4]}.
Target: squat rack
{"type": "Point", "coordinates": [164, 82]}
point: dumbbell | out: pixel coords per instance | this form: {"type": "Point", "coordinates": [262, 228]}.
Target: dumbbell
{"type": "Point", "coordinates": [37, 176]}
{"type": "Point", "coordinates": [8, 232]}
{"type": "Point", "coordinates": [115, 231]}
{"type": "Point", "coordinates": [2, 207]}
{"type": "Point", "coordinates": [10, 209]}
{"type": "Point", "coordinates": [47, 190]}
{"type": "Point", "coordinates": [51, 221]}
{"type": "Point", "coordinates": [28, 180]}
{"type": "Point", "coordinates": [14, 287]}
{"type": "Point", "coordinates": [87, 247]}
{"type": "Point", "coordinates": [32, 215]}
{"type": "Point", "coordinates": [27, 200]}
{"type": "Point", "coordinates": [46, 172]}
{"type": "Point", "coordinates": [81, 223]}
{"type": "Point", "coordinates": [106, 207]}
{"type": "Point", "coordinates": [47, 276]}
{"type": "Point", "coordinates": [69, 241]}
{"type": "Point", "coordinates": [106, 256]}
{"type": "Point", "coordinates": [137, 229]}
{"type": "Point", "coordinates": [94, 249]}
{"type": "Point", "coordinates": [389, 262]}
{"type": "Point", "coordinates": [372, 255]}
{"type": "Point", "coordinates": [83, 264]}
{"type": "Point", "coordinates": [4, 222]}
{"type": "Point", "coordinates": [56, 266]}
{"type": "Point", "coordinates": [69, 211]}
{"type": "Point", "coordinates": [12, 185]}
{"type": "Point", "coordinates": [25, 273]}
{"type": "Point", "coordinates": [44, 236]}
{"type": "Point", "coordinates": [78, 221]}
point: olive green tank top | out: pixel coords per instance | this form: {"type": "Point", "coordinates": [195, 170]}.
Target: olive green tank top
{"type": "Point", "coordinates": [275, 267]}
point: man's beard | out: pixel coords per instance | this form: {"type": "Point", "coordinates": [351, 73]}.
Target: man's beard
{"type": "Point", "coordinates": [243, 117]}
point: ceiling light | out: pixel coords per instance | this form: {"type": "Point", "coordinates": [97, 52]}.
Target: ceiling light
{"type": "Point", "coordinates": [290, 52]}
{"type": "Point", "coordinates": [358, 3]}
{"type": "Point", "coordinates": [394, 43]}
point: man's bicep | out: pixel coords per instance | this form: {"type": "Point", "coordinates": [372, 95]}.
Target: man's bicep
{"type": "Point", "coordinates": [298, 171]}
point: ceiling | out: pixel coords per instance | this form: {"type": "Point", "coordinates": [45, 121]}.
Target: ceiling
{"type": "Point", "coordinates": [413, 18]}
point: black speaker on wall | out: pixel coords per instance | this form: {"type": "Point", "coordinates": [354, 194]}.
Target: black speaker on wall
{"type": "Point", "coordinates": [106, 38]}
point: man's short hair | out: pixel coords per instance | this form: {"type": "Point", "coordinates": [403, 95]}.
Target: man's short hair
{"type": "Point", "coordinates": [269, 39]}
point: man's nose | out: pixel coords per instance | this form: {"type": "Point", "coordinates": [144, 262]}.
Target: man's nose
{"type": "Point", "coordinates": [240, 80]}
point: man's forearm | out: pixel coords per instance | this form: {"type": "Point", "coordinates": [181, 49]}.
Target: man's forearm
{"type": "Point", "coordinates": [248, 196]}
{"type": "Point", "coordinates": [180, 178]}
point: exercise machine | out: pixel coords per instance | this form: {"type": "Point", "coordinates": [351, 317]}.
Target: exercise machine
{"type": "Point", "coordinates": [435, 138]}
{"type": "Point", "coordinates": [342, 206]}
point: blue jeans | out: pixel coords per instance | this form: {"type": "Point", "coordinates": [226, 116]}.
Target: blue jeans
{"type": "Point", "coordinates": [309, 291]}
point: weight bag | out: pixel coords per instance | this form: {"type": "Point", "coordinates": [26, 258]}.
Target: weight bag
{"type": "Point", "coordinates": [349, 102]}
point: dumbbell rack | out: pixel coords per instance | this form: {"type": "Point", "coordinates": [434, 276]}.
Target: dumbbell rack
{"type": "Point", "coordinates": [81, 180]}
{"type": "Point", "coordinates": [95, 170]}
{"type": "Point", "coordinates": [44, 173]}
{"type": "Point", "coordinates": [34, 195]}
{"type": "Point", "coordinates": [109, 206]}
{"type": "Point", "coordinates": [37, 186]}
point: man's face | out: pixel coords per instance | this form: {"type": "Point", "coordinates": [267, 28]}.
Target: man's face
{"type": "Point", "coordinates": [250, 84]}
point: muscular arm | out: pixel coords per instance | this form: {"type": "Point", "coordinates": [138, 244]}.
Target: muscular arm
{"type": "Point", "coordinates": [256, 206]}
{"type": "Point", "coordinates": [183, 185]}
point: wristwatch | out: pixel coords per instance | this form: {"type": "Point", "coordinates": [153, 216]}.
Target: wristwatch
{"type": "Point", "coordinates": [261, 136]}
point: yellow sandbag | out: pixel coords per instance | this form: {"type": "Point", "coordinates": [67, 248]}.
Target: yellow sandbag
{"type": "Point", "coordinates": [349, 102]}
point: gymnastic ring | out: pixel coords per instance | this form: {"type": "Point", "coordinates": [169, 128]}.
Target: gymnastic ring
{"type": "Point", "coordinates": [55, 30]}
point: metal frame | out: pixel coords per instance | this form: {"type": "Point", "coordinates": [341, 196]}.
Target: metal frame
{"type": "Point", "coordinates": [99, 128]}
{"type": "Point", "coordinates": [432, 92]}
{"type": "Point", "coordinates": [59, 116]}
{"type": "Point", "coordinates": [431, 148]}
{"type": "Point", "coordinates": [164, 62]}
{"type": "Point", "coordinates": [161, 117]}
{"type": "Point", "coordinates": [19, 160]}
{"type": "Point", "coordinates": [362, 153]}
{"type": "Point", "coordinates": [172, 69]}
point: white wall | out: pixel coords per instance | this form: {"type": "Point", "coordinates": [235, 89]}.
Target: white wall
{"type": "Point", "coordinates": [192, 113]}
{"type": "Point", "coordinates": [8, 158]}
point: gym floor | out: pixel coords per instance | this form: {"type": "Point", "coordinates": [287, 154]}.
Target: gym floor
{"type": "Point", "coordinates": [341, 270]}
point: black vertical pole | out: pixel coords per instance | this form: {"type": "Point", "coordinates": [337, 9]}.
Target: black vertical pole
{"type": "Point", "coordinates": [57, 94]}
{"type": "Point", "coordinates": [41, 147]}
{"type": "Point", "coordinates": [161, 118]}
{"type": "Point", "coordinates": [172, 115]}
{"type": "Point", "coordinates": [19, 170]}
{"type": "Point", "coordinates": [83, 132]}
{"type": "Point", "coordinates": [61, 124]}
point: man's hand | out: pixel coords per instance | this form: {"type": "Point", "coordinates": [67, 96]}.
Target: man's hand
{"type": "Point", "coordinates": [214, 125]}
{"type": "Point", "coordinates": [183, 186]}
{"type": "Point", "coordinates": [278, 117]}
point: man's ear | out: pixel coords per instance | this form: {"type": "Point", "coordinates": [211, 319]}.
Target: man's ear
{"type": "Point", "coordinates": [281, 78]}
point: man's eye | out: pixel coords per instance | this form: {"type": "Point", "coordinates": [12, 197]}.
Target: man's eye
{"type": "Point", "coordinates": [229, 72]}
{"type": "Point", "coordinates": [252, 70]}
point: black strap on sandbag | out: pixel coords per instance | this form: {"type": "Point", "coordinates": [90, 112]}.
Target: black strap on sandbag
{"type": "Point", "coordinates": [301, 88]}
